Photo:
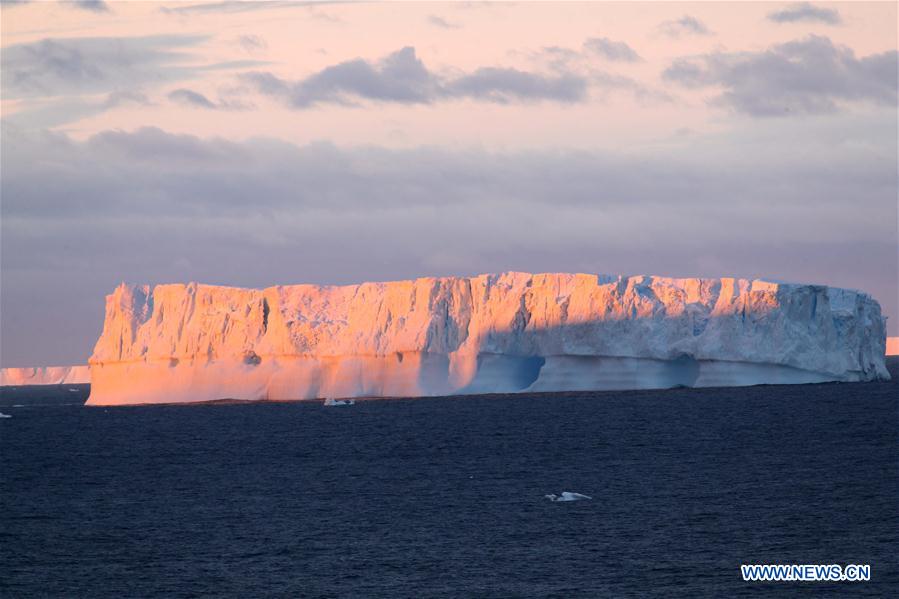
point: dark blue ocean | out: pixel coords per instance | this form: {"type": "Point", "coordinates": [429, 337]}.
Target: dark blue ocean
{"type": "Point", "coordinates": [444, 497]}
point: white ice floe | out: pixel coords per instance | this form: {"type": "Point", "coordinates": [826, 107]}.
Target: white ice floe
{"type": "Point", "coordinates": [2, 415]}
{"type": "Point", "coordinates": [339, 402]}
{"type": "Point", "coordinates": [567, 496]}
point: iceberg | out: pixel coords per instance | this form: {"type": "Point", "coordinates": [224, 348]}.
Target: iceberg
{"type": "Point", "coordinates": [45, 375]}
{"type": "Point", "coordinates": [495, 333]}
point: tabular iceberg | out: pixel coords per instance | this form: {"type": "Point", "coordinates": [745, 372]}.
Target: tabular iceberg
{"type": "Point", "coordinates": [501, 333]}
{"type": "Point", "coordinates": [45, 375]}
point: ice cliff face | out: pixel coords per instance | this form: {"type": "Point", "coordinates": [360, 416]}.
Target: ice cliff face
{"type": "Point", "coordinates": [492, 333]}
{"type": "Point", "coordinates": [45, 375]}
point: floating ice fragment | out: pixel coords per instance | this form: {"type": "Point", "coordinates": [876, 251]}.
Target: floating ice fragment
{"type": "Point", "coordinates": [567, 496]}
{"type": "Point", "coordinates": [339, 402]}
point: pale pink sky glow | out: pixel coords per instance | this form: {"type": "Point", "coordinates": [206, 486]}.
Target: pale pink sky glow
{"type": "Point", "coordinates": [672, 138]}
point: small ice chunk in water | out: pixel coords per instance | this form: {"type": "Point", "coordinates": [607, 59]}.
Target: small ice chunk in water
{"type": "Point", "coordinates": [339, 402]}
{"type": "Point", "coordinates": [567, 496]}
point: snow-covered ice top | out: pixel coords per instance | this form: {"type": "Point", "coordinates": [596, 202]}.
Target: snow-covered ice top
{"type": "Point", "coordinates": [811, 327]}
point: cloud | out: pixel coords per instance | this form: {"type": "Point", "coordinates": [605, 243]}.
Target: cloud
{"type": "Point", "coordinates": [152, 206]}
{"type": "Point", "coordinates": [686, 25]}
{"type": "Point", "coordinates": [252, 43]}
{"type": "Point", "coordinates": [442, 23]}
{"type": "Point", "coordinates": [192, 99]}
{"type": "Point", "coordinates": [97, 6]}
{"type": "Point", "coordinates": [125, 97]}
{"type": "Point", "coordinates": [611, 50]}
{"type": "Point", "coordinates": [806, 76]}
{"type": "Point", "coordinates": [401, 77]}
{"type": "Point", "coordinates": [806, 12]}
{"type": "Point", "coordinates": [318, 15]}
{"type": "Point", "coordinates": [52, 67]}
{"type": "Point", "coordinates": [581, 64]}
{"type": "Point", "coordinates": [504, 85]}
{"type": "Point", "coordinates": [239, 6]}
{"type": "Point", "coordinates": [60, 78]}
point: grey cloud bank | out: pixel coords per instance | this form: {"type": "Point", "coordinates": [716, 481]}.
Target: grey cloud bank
{"type": "Point", "coordinates": [151, 206]}
{"type": "Point", "coordinates": [812, 75]}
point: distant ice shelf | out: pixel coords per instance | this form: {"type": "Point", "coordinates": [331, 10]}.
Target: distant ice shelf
{"type": "Point", "coordinates": [45, 375]}
{"type": "Point", "coordinates": [504, 333]}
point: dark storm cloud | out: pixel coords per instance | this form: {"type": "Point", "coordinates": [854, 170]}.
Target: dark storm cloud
{"type": "Point", "coordinates": [796, 201]}
{"type": "Point", "coordinates": [401, 77]}
{"type": "Point", "coordinates": [807, 76]}
{"type": "Point", "coordinates": [686, 25]}
{"type": "Point", "coordinates": [806, 12]}
{"type": "Point", "coordinates": [611, 50]}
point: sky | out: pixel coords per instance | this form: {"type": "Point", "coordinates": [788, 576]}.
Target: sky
{"type": "Point", "coordinates": [279, 142]}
